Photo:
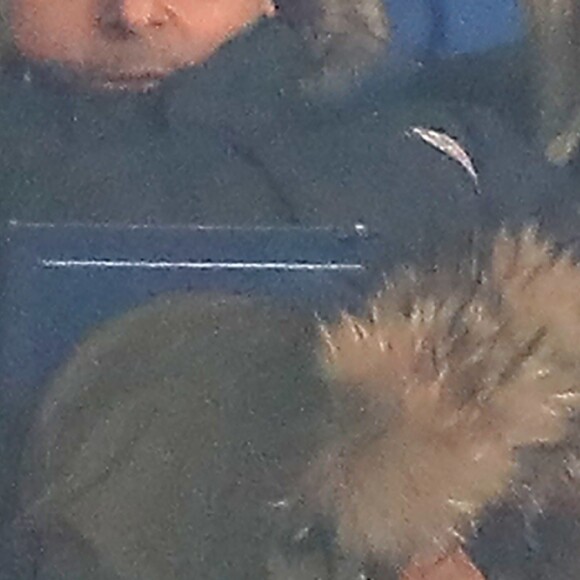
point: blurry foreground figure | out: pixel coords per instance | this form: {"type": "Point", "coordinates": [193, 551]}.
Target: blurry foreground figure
{"type": "Point", "coordinates": [161, 445]}
{"type": "Point", "coordinates": [200, 437]}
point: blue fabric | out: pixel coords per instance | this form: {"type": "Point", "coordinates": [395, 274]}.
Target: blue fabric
{"type": "Point", "coordinates": [441, 28]}
{"type": "Point", "coordinates": [411, 24]}
{"type": "Point", "coordinates": [57, 286]}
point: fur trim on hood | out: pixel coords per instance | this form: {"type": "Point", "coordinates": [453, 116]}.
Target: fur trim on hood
{"type": "Point", "coordinates": [439, 385]}
{"type": "Point", "coordinates": [347, 38]}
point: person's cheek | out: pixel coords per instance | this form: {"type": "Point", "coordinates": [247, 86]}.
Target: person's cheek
{"type": "Point", "coordinates": [52, 31]}
{"type": "Point", "coordinates": [213, 23]}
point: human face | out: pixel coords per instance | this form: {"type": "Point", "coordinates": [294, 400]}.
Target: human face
{"type": "Point", "coordinates": [129, 44]}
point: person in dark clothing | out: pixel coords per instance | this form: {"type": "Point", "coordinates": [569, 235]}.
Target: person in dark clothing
{"type": "Point", "coordinates": [292, 123]}
{"type": "Point", "coordinates": [204, 436]}
{"type": "Point", "coordinates": [241, 141]}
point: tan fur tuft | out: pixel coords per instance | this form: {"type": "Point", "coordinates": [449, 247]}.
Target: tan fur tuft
{"type": "Point", "coordinates": [471, 372]}
{"type": "Point", "coordinates": [541, 289]}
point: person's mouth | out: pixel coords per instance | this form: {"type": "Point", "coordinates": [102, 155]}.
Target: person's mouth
{"type": "Point", "coordinates": [142, 81]}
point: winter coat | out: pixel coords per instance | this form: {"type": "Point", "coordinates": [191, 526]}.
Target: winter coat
{"type": "Point", "coordinates": [235, 142]}
{"type": "Point", "coordinates": [240, 142]}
